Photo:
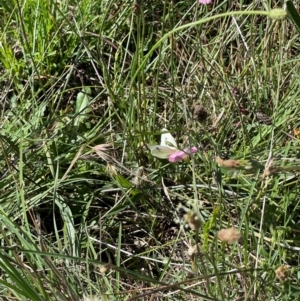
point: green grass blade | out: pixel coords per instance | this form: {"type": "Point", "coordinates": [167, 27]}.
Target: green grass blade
{"type": "Point", "coordinates": [293, 14]}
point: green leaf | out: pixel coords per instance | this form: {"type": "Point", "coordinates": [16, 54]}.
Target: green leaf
{"type": "Point", "coordinates": [208, 226]}
{"type": "Point", "coordinates": [293, 14]}
{"type": "Point", "coordinates": [82, 105]}
{"type": "Point", "coordinates": [123, 182]}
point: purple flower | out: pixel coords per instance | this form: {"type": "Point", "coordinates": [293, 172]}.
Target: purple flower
{"type": "Point", "coordinates": [182, 155]}
{"type": "Point", "coordinates": [204, 1]}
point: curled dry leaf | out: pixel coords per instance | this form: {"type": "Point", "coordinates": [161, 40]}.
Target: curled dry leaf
{"type": "Point", "coordinates": [230, 235]}
{"type": "Point", "coordinates": [239, 164]}
{"type": "Point", "coordinates": [228, 163]}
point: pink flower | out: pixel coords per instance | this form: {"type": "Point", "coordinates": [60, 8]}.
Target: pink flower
{"type": "Point", "coordinates": [204, 1]}
{"type": "Point", "coordinates": [182, 155]}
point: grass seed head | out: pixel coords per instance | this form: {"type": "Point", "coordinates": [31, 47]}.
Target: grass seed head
{"type": "Point", "coordinates": [278, 14]}
{"type": "Point", "coordinates": [230, 235]}
{"type": "Point", "coordinates": [193, 220]}
{"type": "Point", "coordinates": [111, 169]}
{"type": "Point", "coordinates": [282, 272]}
{"type": "Point", "coordinates": [192, 250]}
{"type": "Point", "coordinates": [101, 150]}
{"type": "Point", "coordinates": [140, 175]}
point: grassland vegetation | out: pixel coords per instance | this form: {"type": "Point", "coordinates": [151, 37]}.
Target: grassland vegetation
{"type": "Point", "coordinates": [95, 205]}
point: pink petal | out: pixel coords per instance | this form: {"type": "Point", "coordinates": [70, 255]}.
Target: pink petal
{"type": "Point", "coordinates": [182, 155]}
{"type": "Point", "coordinates": [204, 1]}
{"type": "Point", "coordinates": [178, 156]}
{"type": "Point", "coordinates": [191, 150]}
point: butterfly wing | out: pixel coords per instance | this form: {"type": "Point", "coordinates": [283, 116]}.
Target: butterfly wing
{"type": "Point", "coordinates": [160, 151]}
{"type": "Point", "coordinates": [167, 139]}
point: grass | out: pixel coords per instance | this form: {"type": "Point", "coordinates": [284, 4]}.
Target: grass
{"type": "Point", "coordinates": [87, 213]}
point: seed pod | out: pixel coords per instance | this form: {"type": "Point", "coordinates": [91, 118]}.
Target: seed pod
{"type": "Point", "coordinates": [199, 113]}
{"type": "Point", "coordinates": [263, 118]}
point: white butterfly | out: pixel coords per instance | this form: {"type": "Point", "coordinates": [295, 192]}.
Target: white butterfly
{"type": "Point", "coordinates": [168, 149]}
